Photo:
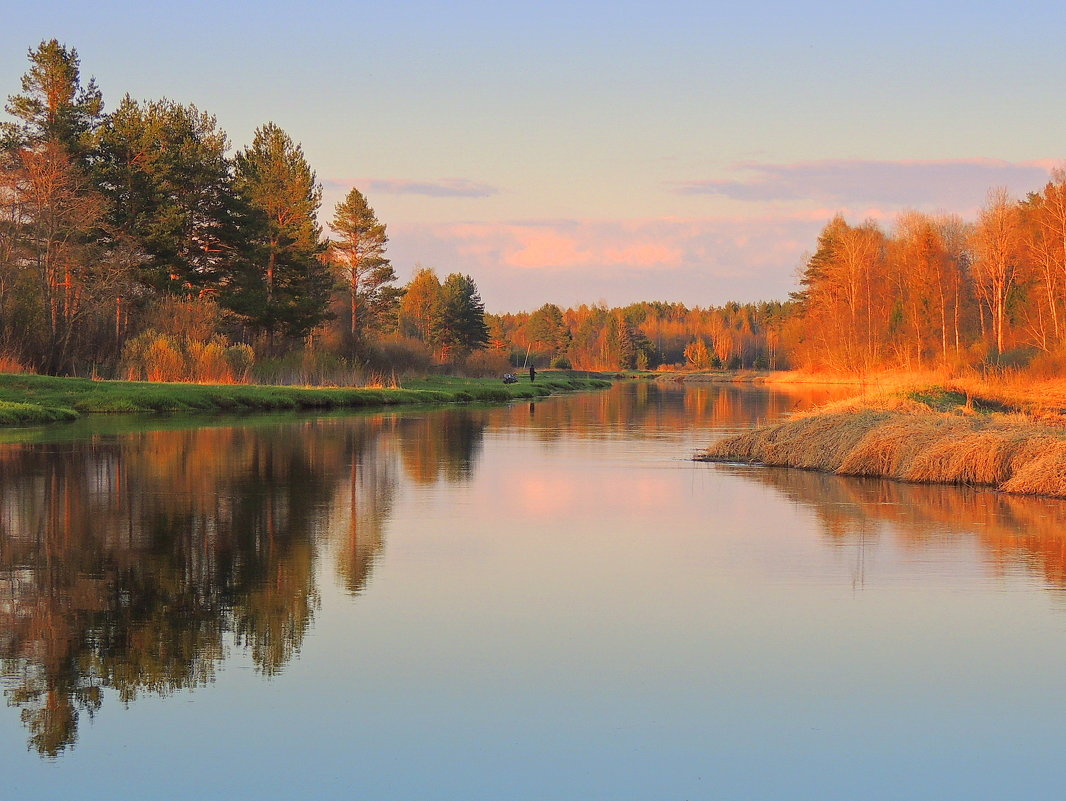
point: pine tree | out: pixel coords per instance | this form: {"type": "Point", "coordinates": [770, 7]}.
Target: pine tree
{"type": "Point", "coordinates": [284, 287]}
{"type": "Point", "coordinates": [359, 253]}
{"type": "Point", "coordinates": [164, 169]}
{"type": "Point", "coordinates": [462, 317]}
{"type": "Point", "coordinates": [547, 328]}
{"type": "Point", "coordinates": [54, 107]}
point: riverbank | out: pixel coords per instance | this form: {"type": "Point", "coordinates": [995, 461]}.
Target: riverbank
{"type": "Point", "coordinates": [38, 400]}
{"type": "Point", "coordinates": [930, 435]}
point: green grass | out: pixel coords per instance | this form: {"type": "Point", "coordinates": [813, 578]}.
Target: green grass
{"type": "Point", "coordinates": [36, 400]}
{"type": "Point", "coordinates": [942, 399]}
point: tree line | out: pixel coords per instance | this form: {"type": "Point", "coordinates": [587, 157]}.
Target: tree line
{"type": "Point", "coordinates": [937, 291]}
{"type": "Point", "coordinates": [135, 241]}
{"type": "Point", "coordinates": [644, 336]}
{"type": "Point", "coordinates": [135, 244]}
{"type": "Point", "coordinates": [932, 291]}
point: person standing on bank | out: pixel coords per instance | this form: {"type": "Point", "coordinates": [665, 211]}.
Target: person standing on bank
{"type": "Point", "coordinates": [532, 374]}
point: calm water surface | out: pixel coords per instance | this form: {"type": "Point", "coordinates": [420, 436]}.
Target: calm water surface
{"type": "Point", "coordinates": [544, 601]}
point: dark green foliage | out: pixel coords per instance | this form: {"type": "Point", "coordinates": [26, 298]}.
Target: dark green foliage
{"type": "Point", "coordinates": [283, 288]}
{"type": "Point", "coordinates": [461, 327]}
{"type": "Point", "coordinates": [548, 330]}
{"type": "Point", "coordinates": [164, 170]}
{"type": "Point", "coordinates": [54, 107]}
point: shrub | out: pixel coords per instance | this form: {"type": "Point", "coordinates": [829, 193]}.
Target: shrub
{"type": "Point", "coordinates": [560, 363]}
{"type": "Point", "coordinates": [312, 367]}
{"type": "Point", "coordinates": [9, 363]}
{"type": "Point", "coordinates": [401, 354]}
{"type": "Point", "coordinates": [486, 363]}
{"type": "Point", "coordinates": [162, 361]}
{"type": "Point", "coordinates": [241, 359]}
{"type": "Point", "coordinates": [156, 356]}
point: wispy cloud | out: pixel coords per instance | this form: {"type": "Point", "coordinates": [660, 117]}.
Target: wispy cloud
{"type": "Point", "coordinates": [441, 187]}
{"type": "Point", "coordinates": [953, 184]}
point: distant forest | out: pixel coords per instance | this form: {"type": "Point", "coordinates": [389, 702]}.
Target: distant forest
{"type": "Point", "coordinates": [135, 244]}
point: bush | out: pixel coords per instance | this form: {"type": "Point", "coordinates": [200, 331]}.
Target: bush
{"type": "Point", "coordinates": [1017, 357]}
{"type": "Point", "coordinates": [157, 356]}
{"type": "Point", "coordinates": [401, 354]}
{"type": "Point", "coordinates": [241, 359]}
{"type": "Point", "coordinates": [485, 364]}
{"type": "Point", "coordinates": [312, 367]}
{"type": "Point", "coordinates": [9, 363]}
{"type": "Point", "coordinates": [560, 362]}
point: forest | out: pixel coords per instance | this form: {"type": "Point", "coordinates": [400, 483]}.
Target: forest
{"type": "Point", "coordinates": [137, 244]}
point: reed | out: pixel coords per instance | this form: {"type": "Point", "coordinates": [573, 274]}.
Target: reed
{"type": "Point", "coordinates": [908, 440]}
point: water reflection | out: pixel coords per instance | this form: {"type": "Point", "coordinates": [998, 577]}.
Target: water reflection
{"type": "Point", "coordinates": [636, 409]}
{"type": "Point", "coordinates": [135, 561]}
{"type": "Point", "coordinates": [1013, 532]}
{"type": "Point", "coordinates": [444, 444]}
{"type": "Point", "coordinates": [130, 562]}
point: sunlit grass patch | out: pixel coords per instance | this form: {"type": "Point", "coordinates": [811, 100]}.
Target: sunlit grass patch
{"type": "Point", "coordinates": [32, 399]}
{"type": "Point", "coordinates": [921, 436]}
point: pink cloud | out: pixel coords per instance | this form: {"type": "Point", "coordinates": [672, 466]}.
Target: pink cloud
{"type": "Point", "coordinates": [696, 260]}
{"type": "Point", "coordinates": [545, 248]}
{"type": "Point", "coordinates": [561, 244]}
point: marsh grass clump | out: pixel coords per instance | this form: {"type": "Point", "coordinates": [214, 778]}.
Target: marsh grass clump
{"type": "Point", "coordinates": [1045, 474]}
{"type": "Point", "coordinates": [27, 414]}
{"type": "Point", "coordinates": [933, 436]}
{"type": "Point", "coordinates": [891, 447]}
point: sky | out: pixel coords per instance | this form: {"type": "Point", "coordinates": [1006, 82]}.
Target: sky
{"type": "Point", "coordinates": [586, 152]}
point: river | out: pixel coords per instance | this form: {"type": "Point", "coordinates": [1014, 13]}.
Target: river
{"type": "Point", "coordinates": [546, 600]}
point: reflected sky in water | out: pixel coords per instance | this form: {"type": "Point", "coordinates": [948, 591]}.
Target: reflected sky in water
{"type": "Point", "coordinates": [525, 602]}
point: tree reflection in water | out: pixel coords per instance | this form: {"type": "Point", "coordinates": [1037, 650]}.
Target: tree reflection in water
{"type": "Point", "coordinates": [129, 563]}
{"type": "Point", "coordinates": [132, 563]}
{"type": "Point", "coordinates": [1013, 531]}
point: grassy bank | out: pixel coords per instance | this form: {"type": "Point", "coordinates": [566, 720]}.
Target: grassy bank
{"type": "Point", "coordinates": [36, 400]}
{"type": "Point", "coordinates": [1024, 391]}
{"type": "Point", "coordinates": [929, 435]}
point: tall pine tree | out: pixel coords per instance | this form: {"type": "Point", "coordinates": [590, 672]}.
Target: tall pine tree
{"type": "Point", "coordinates": [164, 169]}
{"type": "Point", "coordinates": [359, 254]}
{"type": "Point", "coordinates": [54, 107]}
{"type": "Point", "coordinates": [284, 287]}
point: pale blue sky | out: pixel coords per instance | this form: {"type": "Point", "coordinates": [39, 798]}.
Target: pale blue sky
{"type": "Point", "coordinates": [616, 151]}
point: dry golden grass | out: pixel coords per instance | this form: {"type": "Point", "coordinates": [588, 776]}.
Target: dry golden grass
{"type": "Point", "coordinates": [909, 441]}
{"type": "Point", "coordinates": [1034, 394]}
{"type": "Point", "coordinates": [9, 363]}
{"type": "Point", "coordinates": [891, 448]}
{"type": "Point", "coordinates": [1044, 474]}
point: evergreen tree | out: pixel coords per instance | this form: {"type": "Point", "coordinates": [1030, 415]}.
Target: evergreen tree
{"type": "Point", "coordinates": [547, 328]}
{"type": "Point", "coordinates": [54, 107]}
{"type": "Point", "coordinates": [164, 169]}
{"type": "Point", "coordinates": [284, 288]}
{"type": "Point", "coordinates": [462, 317]}
{"type": "Point", "coordinates": [359, 252]}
